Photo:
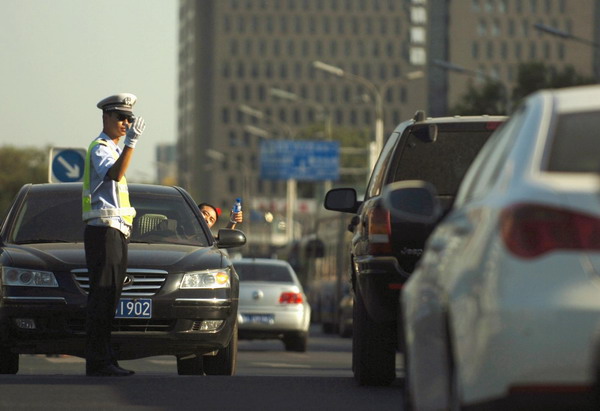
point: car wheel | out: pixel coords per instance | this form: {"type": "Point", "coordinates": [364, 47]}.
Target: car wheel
{"type": "Point", "coordinates": [190, 365]}
{"type": "Point", "coordinates": [328, 328]}
{"type": "Point", "coordinates": [225, 361]}
{"type": "Point", "coordinates": [296, 342]}
{"type": "Point", "coordinates": [9, 361]}
{"type": "Point", "coordinates": [373, 348]}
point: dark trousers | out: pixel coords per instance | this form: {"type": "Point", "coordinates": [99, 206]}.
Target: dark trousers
{"type": "Point", "coordinates": [106, 258]}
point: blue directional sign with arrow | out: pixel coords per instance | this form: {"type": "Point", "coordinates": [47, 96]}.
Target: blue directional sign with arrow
{"type": "Point", "coordinates": [66, 165]}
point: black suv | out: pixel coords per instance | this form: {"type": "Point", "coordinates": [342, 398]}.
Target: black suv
{"type": "Point", "coordinates": [180, 294]}
{"type": "Point", "coordinates": [384, 249]}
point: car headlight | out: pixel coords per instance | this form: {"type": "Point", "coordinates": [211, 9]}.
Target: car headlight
{"type": "Point", "coordinates": [27, 278]}
{"type": "Point", "coordinates": [207, 279]}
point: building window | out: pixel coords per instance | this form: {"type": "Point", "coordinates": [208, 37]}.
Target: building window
{"type": "Point", "coordinates": [417, 35]}
{"type": "Point", "coordinates": [532, 51]}
{"type": "Point", "coordinates": [475, 50]}
{"type": "Point", "coordinates": [225, 115]}
{"type": "Point", "coordinates": [418, 15]}
{"type": "Point", "coordinates": [504, 50]}
{"type": "Point", "coordinates": [547, 50]}
{"type": "Point", "coordinates": [490, 50]}
{"type": "Point", "coordinates": [418, 56]}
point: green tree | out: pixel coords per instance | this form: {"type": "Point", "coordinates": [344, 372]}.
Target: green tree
{"type": "Point", "coordinates": [534, 76]}
{"type": "Point", "coordinates": [19, 166]}
{"type": "Point", "coordinates": [490, 98]}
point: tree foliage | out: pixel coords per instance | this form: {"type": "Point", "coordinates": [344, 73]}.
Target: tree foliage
{"type": "Point", "coordinates": [491, 97]}
{"type": "Point", "coordinates": [19, 166]}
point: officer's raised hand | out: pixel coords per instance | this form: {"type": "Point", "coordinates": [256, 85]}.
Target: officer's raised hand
{"type": "Point", "coordinates": [134, 131]}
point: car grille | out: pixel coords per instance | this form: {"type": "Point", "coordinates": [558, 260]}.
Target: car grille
{"type": "Point", "coordinates": [126, 324]}
{"type": "Point", "coordinates": [138, 282]}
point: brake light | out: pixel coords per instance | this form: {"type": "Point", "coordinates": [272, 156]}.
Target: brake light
{"type": "Point", "coordinates": [290, 298]}
{"type": "Point", "coordinates": [379, 230]}
{"type": "Point", "coordinates": [530, 230]}
{"type": "Point", "coordinates": [492, 125]}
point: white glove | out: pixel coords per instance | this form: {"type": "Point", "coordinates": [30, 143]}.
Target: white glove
{"type": "Point", "coordinates": [134, 131]}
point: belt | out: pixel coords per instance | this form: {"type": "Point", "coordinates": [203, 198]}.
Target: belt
{"type": "Point", "coordinates": [119, 225]}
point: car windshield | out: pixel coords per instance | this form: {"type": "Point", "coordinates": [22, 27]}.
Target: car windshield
{"type": "Point", "coordinates": [263, 272]}
{"type": "Point", "coordinates": [576, 143]}
{"type": "Point", "coordinates": [55, 216]}
{"type": "Point", "coordinates": [442, 162]}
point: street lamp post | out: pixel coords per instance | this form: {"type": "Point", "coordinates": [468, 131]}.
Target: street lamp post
{"type": "Point", "coordinates": [568, 36]}
{"type": "Point", "coordinates": [377, 93]}
{"type": "Point", "coordinates": [563, 34]}
{"type": "Point", "coordinates": [291, 184]}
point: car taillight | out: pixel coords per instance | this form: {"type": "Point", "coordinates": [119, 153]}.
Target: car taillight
{"type": "Point", "coordinates": [290, 298]}
{"type": "Point", "coordinates": [530, 230]}
{"type": "Point", "coordinates": [379, 230]}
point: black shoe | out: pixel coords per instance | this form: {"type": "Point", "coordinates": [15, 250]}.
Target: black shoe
{"type": "Point", "coordinates": [107, 371]}
{"type": "Point", "coordinates": [130, 372]}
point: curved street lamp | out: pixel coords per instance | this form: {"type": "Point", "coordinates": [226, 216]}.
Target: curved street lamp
{"type": "Point", "coordinates": [377, 93]}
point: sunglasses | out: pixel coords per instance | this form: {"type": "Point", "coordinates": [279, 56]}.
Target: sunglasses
{"type": "Point", "coordinates": [123, 117]}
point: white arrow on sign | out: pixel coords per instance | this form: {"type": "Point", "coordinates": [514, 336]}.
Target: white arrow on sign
{"type": "Point", "coordinates": [72, 170]}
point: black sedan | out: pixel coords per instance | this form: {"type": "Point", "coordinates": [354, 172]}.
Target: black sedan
{"type": "Point", "coordinates": [180, 295]}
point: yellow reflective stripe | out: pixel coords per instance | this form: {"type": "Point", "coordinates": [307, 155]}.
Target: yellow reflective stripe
{"type": "Point", "coordinates": [125, 211]}
{"type": "Point", "coordinates": [109, 212]}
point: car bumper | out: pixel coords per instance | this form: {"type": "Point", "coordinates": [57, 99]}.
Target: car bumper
{"type": "Point", "coordinates": [284, 321]}
{"type": "Point", "coordinates": [176, 328]}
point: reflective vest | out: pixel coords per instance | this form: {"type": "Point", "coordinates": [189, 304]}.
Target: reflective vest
{"type": "Point", "coordinates": [125, 211]}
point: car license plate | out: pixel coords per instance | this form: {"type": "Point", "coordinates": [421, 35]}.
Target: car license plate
{"type": "Point", "coordinates": [258, 318]}
{"type": "Point", "coordinates": [134, 308]}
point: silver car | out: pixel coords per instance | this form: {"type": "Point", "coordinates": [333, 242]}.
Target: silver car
{"type": "Point", "coordinates": [272, 303]}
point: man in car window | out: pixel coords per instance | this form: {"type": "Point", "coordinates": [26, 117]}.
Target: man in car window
{"type": "Point", "coordinates": [108, 216]}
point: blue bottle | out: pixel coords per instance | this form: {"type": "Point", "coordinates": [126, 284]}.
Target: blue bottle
{"type": "Point", "coordinates": [237, 206]}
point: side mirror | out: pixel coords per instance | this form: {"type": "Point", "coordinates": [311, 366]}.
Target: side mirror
{"type": "Point", "coordinates": [229, 238]}
{"type": "Point", "coordinates": [341, 199]}
{"type": "Point", "coordinates": [413, 200]}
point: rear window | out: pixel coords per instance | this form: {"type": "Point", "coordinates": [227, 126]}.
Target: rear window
{"type": "Point", "coordinates": [263, 272]}
{"type": "Point", "coordinates": [443, 162]}
{"type": "Point", "coordinates": [576, 143]}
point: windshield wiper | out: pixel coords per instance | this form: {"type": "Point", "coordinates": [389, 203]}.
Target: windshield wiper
{"type": "Point", "coordinates": [42, 241]}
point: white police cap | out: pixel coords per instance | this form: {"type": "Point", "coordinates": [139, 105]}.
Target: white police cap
{"type": "Point", "coordinates": [119, 102]}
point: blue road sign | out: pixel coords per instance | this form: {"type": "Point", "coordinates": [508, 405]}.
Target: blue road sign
{"type": "Point", "coordinates": [66, 164]}
{"type": "Point", "coordinates": [302, 160]}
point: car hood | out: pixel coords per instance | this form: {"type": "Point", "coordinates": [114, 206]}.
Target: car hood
{"type": "Point", "coordinates": [59, 257]}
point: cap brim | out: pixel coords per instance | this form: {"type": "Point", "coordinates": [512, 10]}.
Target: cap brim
{"type": "Point", "coordinates": [120, 111]}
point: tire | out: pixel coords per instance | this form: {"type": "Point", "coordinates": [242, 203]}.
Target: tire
{"type": "Point", "coordinates": [296, 342]}
{"type": "Point", "coordinates": [328, 328]}
{"type": "Point", "coordinates": [9, 361]}
{"type": "Point", "coordinates": [373, 348]}
{"type": "Point", "coordinates": [193, 365]}
{"type": "Point", "coordinates": [224, 363]}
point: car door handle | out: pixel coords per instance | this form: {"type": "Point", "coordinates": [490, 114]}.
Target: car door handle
{"type": "Point", "coordinates": [463, 227]}
{"type": "Point", "coordinates": [437, 245]}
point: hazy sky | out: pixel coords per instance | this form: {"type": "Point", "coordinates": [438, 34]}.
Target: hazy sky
{"type": "Point", "coordinates": [58, 58]}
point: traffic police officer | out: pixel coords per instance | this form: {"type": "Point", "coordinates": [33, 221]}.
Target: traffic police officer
{"type": "Point", "coordinates": [108, 217]}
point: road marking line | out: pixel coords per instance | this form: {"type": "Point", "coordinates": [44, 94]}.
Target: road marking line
{"type": "Point", "coordinates": [277, 365]}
